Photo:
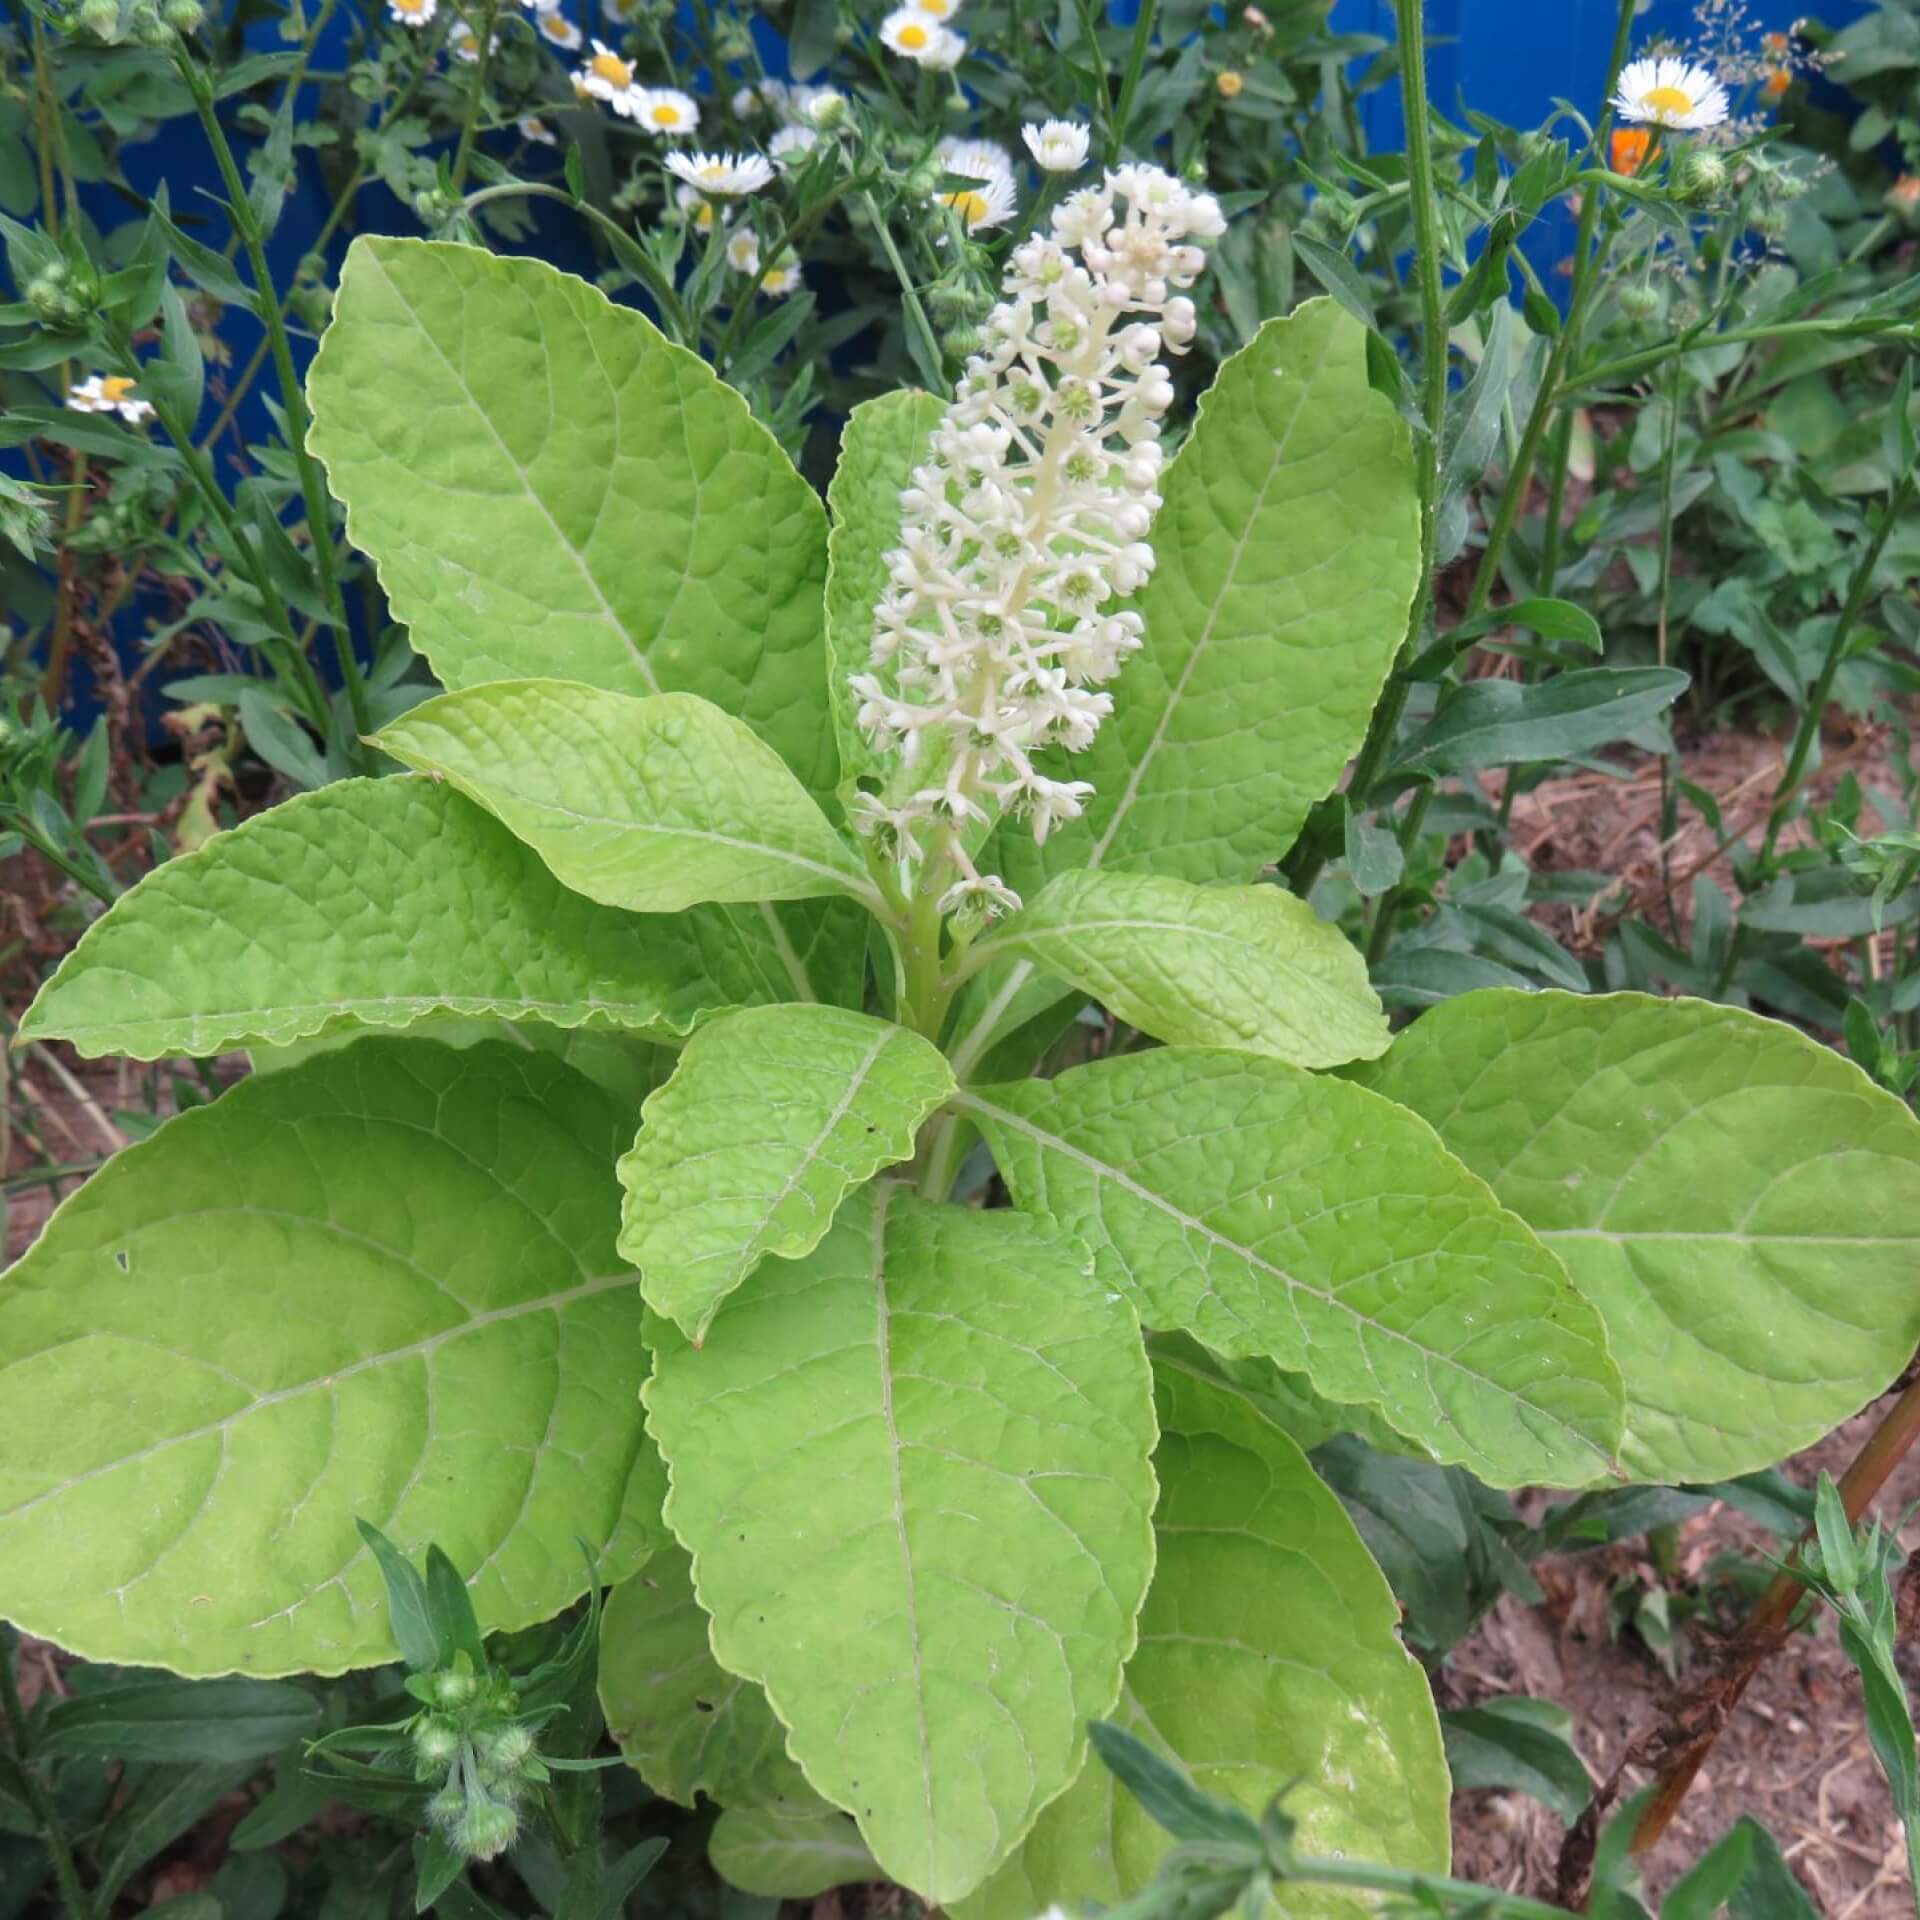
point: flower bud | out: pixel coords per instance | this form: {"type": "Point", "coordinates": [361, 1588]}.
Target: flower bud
{"type": "Point", "coordinates": [1701, 174]}
{"type": "Point", "coordinates": [435, 1741]}
{"type": "Point", "coordinates": [99, 18]}
{"type": "Point", "coordinates": [454, 1689]}
{"type": "Point", "coordinates": [145, 26]}
{"type": "Point", "coordinates": [1229, 84]}
{"type": "Point", "coordinates": [503, 1751]}
{"type": "Point", "coordinates": [486, 1830]}
{"type": "Point", "coordinates": [54, 296]}
{"type": "Point", "coordinates": [183, 16]}
{"type": "Point", "coordinates": [1639, 301]}
{"type": "Point", "coordinates": [447, 1807]}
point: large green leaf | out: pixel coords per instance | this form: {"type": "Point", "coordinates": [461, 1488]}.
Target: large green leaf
{"type": "Point", "coordinates": [1267, 1664]}
{"type": "Point", "coordinates": [548, 489]}
{"type": "Point", "coordinates": [652, 804]}
{"type": "Point", "coordinates": [685, 1724]}
{"type": "Point", "coordinates": [1249, 967]}
{"type": "Point", "coordinates": [791, 1851]}
{"type": "Point", "coordinates": [883, 442]}
{"type": "Point", "coordinates": [1740, 1203]}
{"type": "Point", "coordinates": [1272, 1211]}
{"type": "Point", "coordinates": [912, 1472]}
{"type": "Point", "coordinates": [378, 903]}
{"type": "Point", "coordinates": [1287, 554]}
{"type": "Point", "coordinates": [381, 1285]}
{"type": "Point", "coordinates": [772, 1117]}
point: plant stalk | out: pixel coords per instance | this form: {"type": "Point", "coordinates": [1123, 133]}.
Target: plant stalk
{"type": "Point", "coordinates": [292, 395]}
{"type": "Point", "coordinates": [73, 1896]}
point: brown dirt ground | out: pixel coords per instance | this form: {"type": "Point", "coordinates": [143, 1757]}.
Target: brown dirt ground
{"type": "Point", "coordinates": [1794, 1754]}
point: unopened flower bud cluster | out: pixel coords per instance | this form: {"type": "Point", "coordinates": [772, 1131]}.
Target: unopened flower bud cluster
{"type": "Point", "coordinates": [995, 631]}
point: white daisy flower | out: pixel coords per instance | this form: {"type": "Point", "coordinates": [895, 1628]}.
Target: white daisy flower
{"type": "Point", "coordinates": [743, 251]}
{"type": "Point", "coordinates": [607, 77]}
{"type": "Point", "coordinates": [1060, 146]}
{"type": "Point", "coordinates": [778, 282]}
{"type": "Point", "coordinates": [109, 393]}
{"type": "Point", "coordinates": [1670, 93]}
{"type": "Point", "coordinates": [622, 13]}
{"type": "Point", "coordinates": [986, 161]}
{"type": "Point", "coordinates": [558, 31]}
{"type": "Point", "coordinates": [413, 13]}
{"type": "Point", "coordinates": [729, 174]}
{"type": "Point", "coordinates": [912, 34]}
{"type": "Point", "coordinates": [532, 127]}
{"type": "Point", "coordinates": [937, 9]}
{"type": "Point", "coordinates": [761, 96]}
{"type": "Point", "coordinates": [949, 49]}
{"type": "Point", "coordinates": [696, 207]}
{"type": "Point", "coordinates": [980, 159]}
{"type": "Point", "coordinates": [463, 42]}
{"type": "Point", "coordinates": [790, 146]}
{"type": "Point", "coordinates": [540, 6]}
{"type": "Point", "coordinates": [662, 110]}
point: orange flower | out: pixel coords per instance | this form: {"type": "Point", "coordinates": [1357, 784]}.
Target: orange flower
{"type": "Point", "coordinates": [1904, 194]}
{"type": "Point", "coordinates": [1776, 83]}
{"type": "Point", "coordinates": [1627, 150]}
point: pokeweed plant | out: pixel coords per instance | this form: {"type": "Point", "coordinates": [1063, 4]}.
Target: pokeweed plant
{"type": "Point", "coordinates": [763, 860]}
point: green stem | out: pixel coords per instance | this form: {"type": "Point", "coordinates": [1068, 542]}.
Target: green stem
{"type": "Point", "coordinates": [293, 399]}
{"type": "Point", "coordinates": [909, 297]}
{"type": "Point", "coordinates": [73, 1896]}
{"type": "Point", "coordinates": [796, 229]}
{"type": "Point", "coordinates": [463, 153]}
{"type": "Point", "coordinates": [1698, 342]}
{"type": "Point", "coordinates": [1807, 733]}
{"type": "Point", "coordinates": [1143, 27]}
{"type": "Point", "coordinates": [1559, 456]}
{"type": "Point", "coordinates": [1423, 1888]}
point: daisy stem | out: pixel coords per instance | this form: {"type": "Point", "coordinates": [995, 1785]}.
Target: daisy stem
{"type": "Point", "coordinates": [935, 367]}
{"type": "Point", "coordinates": [790, 235]}
{"type": "Point", "coordinates": [1136, 62]}
{"type": "Point", "coordinates": [463, 154]}
{"type": "Point", "coordinates": [313, 493]}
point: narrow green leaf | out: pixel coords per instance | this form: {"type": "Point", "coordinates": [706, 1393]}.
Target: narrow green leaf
{"type": "Point", "coordinates": [1267, 1663]}
{"type": "Point", "coordinates": [1248, 967]}
{"type": "Point", "coordinates": [450, 1607]}
{"type": "Point", "coordinates": [382, 1284]}
{"type": "Point", "coordinates": [380, 903]}
{"type": "Point", "coordinates": [911, 1469]}
{"type": "Point", "coordinates": [181, 1721]}
{"type": "Point", "coordinates": [685, 1724]}
{"type": "Point", "coordinates": [1500, 723]}
{"type": "Point", "coordinates": [1518, 1743]}
{"type": "Point", "coordinates": [1287, 552]}
{"type": "Point", "coordinates": [1271, 1211]}
{"type": "Point", "coordinates": [1741, 1204]}
{"type": "Point", "coordinates": [790, 1852]}
{"type": "Point", "coordinates": [771, 1118]}
{"type": "Point", "coordinates": [547, 487]}
{"type": "Point", "coordinates": [1770, 1891]}
{"type": "Point", "coordinates": [653, 804]}
{"type": "Point", "coordinates": [885, 439]}
{"type": "Point", "coordinates": [409, 1618]}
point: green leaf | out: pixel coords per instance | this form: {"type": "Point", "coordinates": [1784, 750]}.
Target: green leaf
{"type": "Point", "coordinates": [548, 488]}
{"type": "Point", "coordinates": [380, 1284]}
{"type": "Point", "coordinates": [1770, 1891]}
{"type": "Point", "coordinates": [1269, 1211]}
{"type": "Point", "coordinates": [1500, 723]}
{"type": "Point", "coordinates": [181, 1721]}
{"type": "Point", "coordinates": [378, 903]}
{"type": "Point", "coordinates": [790, 1852]}
{"type": "Point", "coordinates": [685, 1724]}
{"type": "Point", "coordinates": [409, 1613]}
{"type": "Point", "coordinates": [1741, 1204]}
{"type": "Point", "coordinates": [773, 1116]}
{"type": "Point", "coordinates": [885, 439]}
{"type": "Point", "coordinates": [911, 1469]}
{"type": "Point", "coordinates": [1248, 967]}
{"type": "Point", "coordinates": [652, 804]}
{"type": "Point", "coordinates": [1287, 553]}
{"type": "Point", "coordinates": [1518, 1743]}
{"type": "Point", "coordinates": [1267, 1663]}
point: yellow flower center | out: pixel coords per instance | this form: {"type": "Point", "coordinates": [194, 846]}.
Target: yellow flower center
{"type": "Point", "coordinates": [1667, 100]}
{"type": "Point", "coordinates": [664, 114]}
{"type": "Point", "coordinates": [913, 37]}
{"type": "Point", "coordinates": [969, 204]}
{"type": "Point", "coordinates": [703, 216]}
{"type": "Point", "coordinates": [934, 9]}
{"type": "Point", "coordinates": [612, 69]}
{"type": "Point", "coordinates": [115, 388]}
{"type": "Point", "coordinates": [1230, 85]}
{"type": "Point", "coordinates": [410, 7]}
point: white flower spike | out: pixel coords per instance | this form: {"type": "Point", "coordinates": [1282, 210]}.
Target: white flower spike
{"type": "Point", "coordinates": [912, 34]}
{"type": "Point", "coordinates": [1059, 146]}
{"type": "Point", "coordinates": [662, 110]}
{"type": "Point", "coordinates": [1028, 519]}
{"type": "Point", "coordinates": [1670, 93]}
{"type": "Point", "coordinates": [726, 174]}
{"type": "Point", "coordinates": [607, 77]}
{"type": "Point", "coordinates": [109, 393]}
